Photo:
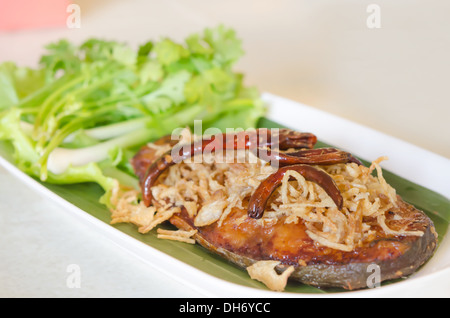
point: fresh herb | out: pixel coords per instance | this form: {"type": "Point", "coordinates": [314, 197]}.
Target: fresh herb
{"type": "Point", "coordinates": [84, 111]}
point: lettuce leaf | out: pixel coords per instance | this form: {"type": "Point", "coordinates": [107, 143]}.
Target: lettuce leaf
{"type": "Point", "coordinates": [103, 99]}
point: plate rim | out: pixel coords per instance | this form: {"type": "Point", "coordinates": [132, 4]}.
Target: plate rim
{"type": "Point", "coordinates": [208, 285]}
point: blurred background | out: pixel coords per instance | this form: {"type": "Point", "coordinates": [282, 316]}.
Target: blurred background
{"type": "Point", "coordinates": [389, 72]}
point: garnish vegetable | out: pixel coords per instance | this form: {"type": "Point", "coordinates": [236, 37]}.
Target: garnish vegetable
{"type": "Point", "coordinates": [83, 112]}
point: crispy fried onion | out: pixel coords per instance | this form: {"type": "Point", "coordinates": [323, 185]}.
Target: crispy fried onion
{"type": "Point", "coordinates": [265, 272]}
{"type": "Point", "coordinates": [178, 235]}
{"type": "Point", "coordinates": [209, 191]}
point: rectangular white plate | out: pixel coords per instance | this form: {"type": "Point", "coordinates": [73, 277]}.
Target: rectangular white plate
{"type": "Point", "coordinates": [363, 142]}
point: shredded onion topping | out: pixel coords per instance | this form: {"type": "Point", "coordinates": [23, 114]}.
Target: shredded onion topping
{"type": "Point", "coordinates": [209, 191]}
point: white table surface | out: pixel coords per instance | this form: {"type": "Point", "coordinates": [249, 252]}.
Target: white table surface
{"type": "Point", "coordinates": [393, 79]}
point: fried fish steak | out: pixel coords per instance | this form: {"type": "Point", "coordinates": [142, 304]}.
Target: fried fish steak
{"type": "Point", "coordinates": [244, 241]}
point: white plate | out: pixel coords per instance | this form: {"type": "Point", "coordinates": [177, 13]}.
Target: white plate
{"type": "Point", "coordinates": [432, 280]}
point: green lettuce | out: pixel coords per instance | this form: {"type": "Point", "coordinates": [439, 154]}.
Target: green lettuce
{"type": "Point", "coordinates": [85, 110]}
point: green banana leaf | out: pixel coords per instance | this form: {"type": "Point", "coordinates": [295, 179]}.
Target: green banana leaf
{"type": "Point", "coordinates": [86, 197]}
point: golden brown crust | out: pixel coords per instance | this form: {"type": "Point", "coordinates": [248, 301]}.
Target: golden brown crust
{"type": "Point", "coordinates": [147, 155]}
{"type": "Point", "coordinates": [244, 241]}
{"type": "Point", "coordinates": [290, 244]}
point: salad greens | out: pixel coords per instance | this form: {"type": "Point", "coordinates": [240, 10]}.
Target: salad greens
{"type": "Point", "coordinates": [82, 114]}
